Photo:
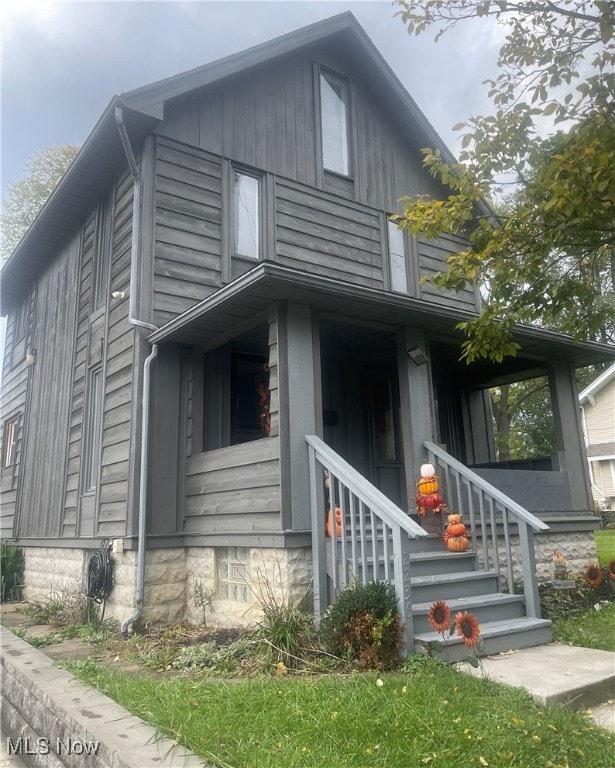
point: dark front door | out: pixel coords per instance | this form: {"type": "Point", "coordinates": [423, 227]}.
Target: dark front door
{"type": "Point", "coordinates": [383, 433]}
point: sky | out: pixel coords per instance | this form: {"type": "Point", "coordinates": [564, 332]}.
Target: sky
{"type": "Point", "coordinates": [63, 61]}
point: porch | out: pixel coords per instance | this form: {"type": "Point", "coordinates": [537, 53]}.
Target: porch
{"type": "Point", "coordinates": [365, 387]}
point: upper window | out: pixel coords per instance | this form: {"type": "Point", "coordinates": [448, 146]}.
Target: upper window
{"type": "Point", "coordinates": [101, 255]}
{"type": "Point", "coordinates": [19, 323]}
{"type": "Point", "coordinates": [9, 442]}
{"type": "Point", "coordinates": [397, 258]}
{"type": "Point", "coordinates": [334, 102]}
{"type": "Point", "coordinates": [246, 215]}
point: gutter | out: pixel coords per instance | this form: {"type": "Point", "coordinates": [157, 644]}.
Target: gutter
{"type": "Point", "coordinates": [134, 320]}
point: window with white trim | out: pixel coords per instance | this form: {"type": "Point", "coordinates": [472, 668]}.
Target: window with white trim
{"type": "Point", "coordinates": [246, 214]}
{"type": "Point", "coordinates": [9, 441]}
{"type": "Point", "coordinates": [334, 112]}
{"type": "Point", "coordinates": [397, 258]}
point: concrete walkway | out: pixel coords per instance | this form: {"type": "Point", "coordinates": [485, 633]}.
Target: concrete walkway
{"type": "Point", "coordinates": [580, 678]}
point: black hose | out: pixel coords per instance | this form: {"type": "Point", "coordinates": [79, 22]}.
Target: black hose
{"type": "Point", "coordinates": [100, 577]}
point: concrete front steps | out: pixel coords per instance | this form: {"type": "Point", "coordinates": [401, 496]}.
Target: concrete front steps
{"type": "Point", "coordinates": [441, 575]}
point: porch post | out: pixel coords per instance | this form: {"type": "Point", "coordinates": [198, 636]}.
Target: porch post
{"type": "Point", "coordinates": [297, 383]}
{"type": "Point", "coordinates": [416, 402]}
{"type": "Point", "coordinates": [568, 432]}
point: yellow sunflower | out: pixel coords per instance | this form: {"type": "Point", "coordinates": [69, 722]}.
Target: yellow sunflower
{"type": "Point", "coordinates": [439, 616]}
{"type": "Point", "coordinates": [593, 575]}
{"type": "Point", "coordinates": [467, 628]}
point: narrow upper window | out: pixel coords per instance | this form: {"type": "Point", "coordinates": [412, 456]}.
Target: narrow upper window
{"type": "Point", "coordinates": [19, 324]}
{"type": "Point", "coordinates": [334, 100]}
{"type": "Point", "coordinates": [246, 214]}
{"type": "Point", "coordinates": [93, 431]}
{"type": "Point", "coordinates": [397, 258]}
{"type": "Point", "coordinates": [101, 255]}
{"type": "Point", "coordinates": [9, 443]}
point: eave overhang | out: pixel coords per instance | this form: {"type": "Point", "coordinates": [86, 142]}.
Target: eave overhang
{"type": "Point", "coordinates": [93, 170]}
{"type": "Point", "coordinates": [222, 316]}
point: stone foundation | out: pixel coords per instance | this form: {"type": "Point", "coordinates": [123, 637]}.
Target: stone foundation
{"type": "Point", "coordinates": [171, 575]}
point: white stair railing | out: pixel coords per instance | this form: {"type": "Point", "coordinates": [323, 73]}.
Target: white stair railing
{"type": "Point", "coordinates": [373, 544]}
{"type": "Point", "coordinates": [490, 512]}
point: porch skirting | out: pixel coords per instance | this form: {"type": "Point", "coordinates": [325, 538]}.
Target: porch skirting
{"type": "Point", "coordinates": [172, 576]}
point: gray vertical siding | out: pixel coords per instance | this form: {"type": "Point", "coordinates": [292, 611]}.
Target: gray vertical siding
{"type": "Point", "coordinates": [187, 228]}
{"type": "Point", "coordinates": [431, 254]}
{"type": "Point", "coordinates": [48, 414]}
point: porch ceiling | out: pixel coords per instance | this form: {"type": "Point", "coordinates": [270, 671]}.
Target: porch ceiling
{"type": "Point", "coordinates": [241, 303]}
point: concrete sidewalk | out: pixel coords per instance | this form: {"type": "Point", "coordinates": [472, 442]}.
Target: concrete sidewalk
{"type": "Point", "coordinates": [580, 678]}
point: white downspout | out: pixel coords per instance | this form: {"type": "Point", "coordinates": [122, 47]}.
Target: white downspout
{"type": "Point", "coordinates": [133, 319]}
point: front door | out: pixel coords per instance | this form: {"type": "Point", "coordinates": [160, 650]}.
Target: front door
{"type": "Point", "coordinates": [383, 434]}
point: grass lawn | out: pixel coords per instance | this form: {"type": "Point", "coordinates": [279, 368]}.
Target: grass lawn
{"type": "Point", "coordinates": [434, 717]}
{"type": "Point", "coordinates": [605, 542]}
{"type": "Point", "coordinates": [595, 629]}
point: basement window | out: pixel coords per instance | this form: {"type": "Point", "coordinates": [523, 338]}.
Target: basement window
{"type": "Point", "coordinates": [233, 574]}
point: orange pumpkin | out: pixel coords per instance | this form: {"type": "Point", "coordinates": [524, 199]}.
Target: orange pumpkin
{"type": "Point", "coordinates": [454, 518]}
{"type": "Point", "coordinates": [456, 529]}
{"type": "Point", "coordinates": [457, 544]}
{"type": "Point", "coordinates": [427, 485]}
{"type": "Point", "coordinates": [338, 523]}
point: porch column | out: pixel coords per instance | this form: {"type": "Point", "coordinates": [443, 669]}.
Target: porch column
{"type": "Point", "coordinates": [568, 433]}
{"type": "Point", "coordinates": [416, 402]}
{"type": "Point", "coordinates": [298, 398]}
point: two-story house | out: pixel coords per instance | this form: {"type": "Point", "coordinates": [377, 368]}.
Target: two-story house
{"type": "Point", "coordinates": [215, 333]}
{"type": "Point", "coordinates": [598, 408]}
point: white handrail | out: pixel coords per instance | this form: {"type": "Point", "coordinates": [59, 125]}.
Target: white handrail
{"type": "Point", "coordinates": [391, 514]}
{"type": "Point", "coordinates": [516, 509]}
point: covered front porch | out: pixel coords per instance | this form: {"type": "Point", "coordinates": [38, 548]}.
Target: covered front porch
{"type": "Point", "coordinates": [363, 387]}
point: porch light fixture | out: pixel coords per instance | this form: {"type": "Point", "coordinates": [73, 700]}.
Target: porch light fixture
{"type": "Point", "coordinates": [417, 355]}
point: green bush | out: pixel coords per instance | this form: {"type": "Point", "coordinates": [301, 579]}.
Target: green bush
{"type": "Point", "coordinates": [570, 603]}
{"type": "Point", "coordinates": [12, 563]}
{"type": "Point", "coordinates": [364, 626]}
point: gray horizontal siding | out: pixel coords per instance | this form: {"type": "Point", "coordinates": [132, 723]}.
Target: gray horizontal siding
{"type": "Point", "coordinates": [234, 489]}
{"type": "Point", "coordinates": [319, 233]}
{"type": "Point", "coordinates": [432, 256]}
{"type": "Point", "coordinates": [187, 228]}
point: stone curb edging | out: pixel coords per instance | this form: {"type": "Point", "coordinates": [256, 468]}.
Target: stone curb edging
{"type": "Point", "coordinates": [41, 701]}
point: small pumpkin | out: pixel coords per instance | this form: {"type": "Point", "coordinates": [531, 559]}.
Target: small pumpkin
{"type": "Point", "coordinates": [427, 485]}
{"type": "Point", "coordinates": [427, 470]}
{"type": "Point", "coordinates": [456, 529]}
{"type": "Point", "coordinates": [457, 544]}
{"type": "Point", "coordinates": [338, 523]}
{"type": "Point", "coordinates": [453, 518]}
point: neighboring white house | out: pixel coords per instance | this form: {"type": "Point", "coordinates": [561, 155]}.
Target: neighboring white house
{"type": "Point", "coordinates": [598, 407]}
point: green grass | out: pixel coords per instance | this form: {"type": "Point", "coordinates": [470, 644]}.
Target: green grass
{"type": "Point", "coordinates": [594, 629]}
{"type": "Point", "coordinates": [435, 717]}
{"type": "Point", "coordinates": [605, 543]}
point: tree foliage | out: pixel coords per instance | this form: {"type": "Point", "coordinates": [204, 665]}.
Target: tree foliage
{"type": "Point", "coordinates": [26, 197]}
{"type": "Point", "coordinates": [547, 256]}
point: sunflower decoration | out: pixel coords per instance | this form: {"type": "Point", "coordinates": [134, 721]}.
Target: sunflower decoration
{"type": "Point", "coordinates": [467, 628]}
{"type": "Point", "coordinates": [439, 616]}
{"type": "Point", "coordinates": [593, 575]}
{"type": "Point", "coordinates": [610, 570]}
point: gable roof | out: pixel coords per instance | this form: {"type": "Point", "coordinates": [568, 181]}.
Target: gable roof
{"type": "Point", "coordinates": [101, 157]}
{"type": "Point", "coordinates": [597, 384]}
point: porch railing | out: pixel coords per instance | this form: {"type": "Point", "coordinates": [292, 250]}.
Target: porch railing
{"type": "Point", "coordinates": [373, 544]}
{"type": "Point", "coordinates": [490, 512]}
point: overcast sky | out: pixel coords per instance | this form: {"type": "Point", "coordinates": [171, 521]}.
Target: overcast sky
{"type": "Point", "coordinates": [63, 61]}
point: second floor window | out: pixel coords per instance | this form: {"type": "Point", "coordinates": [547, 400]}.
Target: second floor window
{"type": "Point", "coordinates": [397, 258]}
{"type": "Point", "coordinates": [9, 443]}
{"type": "Point", "coordinates": [246, 215]}
{"type": "Point", "coordinates": [102, 254]}
{"type": "Point", "coordinates": [334, 102]}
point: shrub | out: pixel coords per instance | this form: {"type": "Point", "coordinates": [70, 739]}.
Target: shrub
{"type": "Point", "coordinates": [570, 603]}
{"type": "Point", "coordinates": [70, 606]}
{"type": "Point", "coordinates": [12, 563]}
{"type": "Point", "coordinates": [364, 625]}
